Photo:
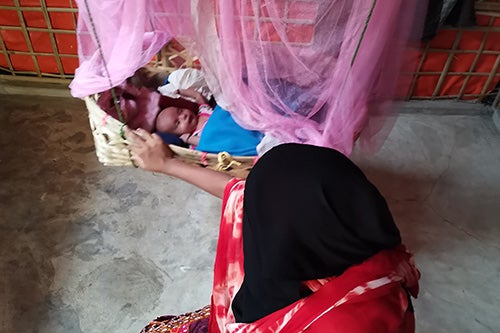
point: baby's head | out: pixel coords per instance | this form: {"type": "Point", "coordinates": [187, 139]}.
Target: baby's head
{"type": "Point", "coordinates": [177, 116]}
{"type": "Point", "coordinates": [176, 120]}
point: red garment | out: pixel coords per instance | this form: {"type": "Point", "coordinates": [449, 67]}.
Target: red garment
{"type": "Point", "coordinates": [369, 297]}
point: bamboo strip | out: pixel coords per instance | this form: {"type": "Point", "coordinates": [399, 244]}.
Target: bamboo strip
{"type": "Point", "coordinates": [476, 59]}
{"type": "Point", "coordinates": [474, 28]}
{"type": "Point", "coordinates": [487, 6]}
{"type": "Point", "coordinates": [26, 35]}
{"type": "Point", "coordinates": [26, 73]}
{"type": "Point", "coordinates": [452, 73]}
{"type": "Point", "coordinates": [40, 53]}
{"type": "Point", "coordinates": [447, 65]}
{"type": "Point", "coordinates": [415, 75]}
{"type": "Point", "coordinates": [35, 79]}
{"type": "Point", "coordinates": [475, 96]}
{"type": "Point", "coordinates": [494, 14]}
{"type": "Point", "coordinates": [52, 38]}
{"type": "Point", "coordinates": [37, 9]}
{"type": "Point", "coordinates": [52, 75]}
{"type": "Point", "coordinates": [463, 51]}
{"type": "Point", "coordinates": [62, 31]}
{"type": "Point", "coordinates": [73, 15]}
{"type": "Point", "coordinates": [41, 75]}
{"type": "Point", "coordinates": [4, 51]}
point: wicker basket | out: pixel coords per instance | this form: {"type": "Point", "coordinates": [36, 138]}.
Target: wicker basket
{"type": "Point", "coordinates": [112, 149]}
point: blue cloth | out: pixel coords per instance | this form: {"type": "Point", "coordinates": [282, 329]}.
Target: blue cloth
{"type": "Point", "coordinates": [222, 133]}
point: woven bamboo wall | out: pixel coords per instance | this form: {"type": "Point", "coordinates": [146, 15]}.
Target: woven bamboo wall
{"type": "Point", "coordinates": [461, 63]}
{"type": "Point", "coordinates": [38, 40]}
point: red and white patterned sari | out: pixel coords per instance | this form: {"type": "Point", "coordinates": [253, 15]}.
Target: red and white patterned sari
{"type": "Point", "coordinates": [369, 297]}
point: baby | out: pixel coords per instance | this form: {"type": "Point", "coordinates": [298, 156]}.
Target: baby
{"type": "Point", "coordinates": [182, 119]}
{"type": "Point", "coordinates": [180, 116]}
{"type": "Point", "coordinates": [143, 106]}
{"type": "Point", "coordinates": [177, 115]}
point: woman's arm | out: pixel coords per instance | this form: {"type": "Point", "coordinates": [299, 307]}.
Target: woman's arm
{"type": "Point", "coordinates": [149, 152]}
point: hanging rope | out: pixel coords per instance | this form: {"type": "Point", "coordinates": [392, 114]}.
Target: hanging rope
{"type": "Point", "coordinates": [108, 76]}
{"type": "Point", "coordinates": [364, 31]}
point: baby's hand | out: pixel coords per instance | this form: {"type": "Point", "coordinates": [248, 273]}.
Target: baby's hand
{"type": "Point", "coordinates": [149, 152]}
{"type": "Point", "coordinates": [198, 98]}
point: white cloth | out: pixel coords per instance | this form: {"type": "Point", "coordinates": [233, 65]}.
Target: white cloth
{"type": "Point", "coordinates": [185, 78]}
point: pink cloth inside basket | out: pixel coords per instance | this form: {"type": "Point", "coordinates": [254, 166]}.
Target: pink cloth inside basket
{"type": "Point", "coordinates": [139, 107]}
{"type": "Point", "coordinates": [320, 72]}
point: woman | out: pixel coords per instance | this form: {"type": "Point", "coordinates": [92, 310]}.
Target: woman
{"type": "Point", "coordinates": [306, 243]}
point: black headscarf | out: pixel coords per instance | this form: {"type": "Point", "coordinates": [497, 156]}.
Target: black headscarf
{"type": "Point", "coordinates": [309, 213]}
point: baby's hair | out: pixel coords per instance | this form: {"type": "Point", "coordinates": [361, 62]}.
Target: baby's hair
{"type": "Point", "coordinates": [166, 102]}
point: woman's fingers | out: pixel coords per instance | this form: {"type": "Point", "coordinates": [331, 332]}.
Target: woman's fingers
{"type": "Point", "coordinates": [148, 151]}
{"type": "Point", "coordinates": [140, 136]}
{"type": "Point", "coordinates": [150, 139]}
{"type": "Point", "coordinates": [138, 161]}
{"type": "Point", "coordinates": [133, 135]}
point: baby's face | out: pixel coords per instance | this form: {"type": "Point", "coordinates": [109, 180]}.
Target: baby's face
{"type": "Point", "coordinates": [176, 120]}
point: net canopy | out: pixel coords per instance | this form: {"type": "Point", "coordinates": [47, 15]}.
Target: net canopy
{"type": "Point", "coordinates": [323, 72]}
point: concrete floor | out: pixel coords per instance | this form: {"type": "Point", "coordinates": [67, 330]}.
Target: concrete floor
{"type": "Point", "coordinates": [87, 248]}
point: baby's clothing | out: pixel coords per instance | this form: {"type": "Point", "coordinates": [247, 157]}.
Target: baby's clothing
{"type": "Point", "coordinates": [204, 110]}
{"type": "Point", "coordinates": [222, 133]}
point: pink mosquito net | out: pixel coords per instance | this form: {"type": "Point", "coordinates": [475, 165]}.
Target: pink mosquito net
{"type": "Point", "coordinates": [322, 72]}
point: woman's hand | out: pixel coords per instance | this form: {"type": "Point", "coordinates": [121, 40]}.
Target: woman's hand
{"type": "Point", "coordinates": [196, 96]}
{"type": "Point", "coordinates": [149, 152]}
